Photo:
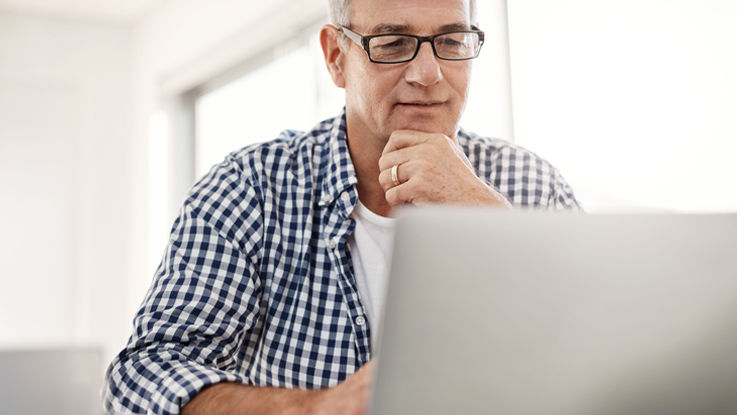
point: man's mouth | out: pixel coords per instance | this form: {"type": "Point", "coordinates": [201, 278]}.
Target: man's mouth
{"type": "Point", "coordinates": [422, 103]}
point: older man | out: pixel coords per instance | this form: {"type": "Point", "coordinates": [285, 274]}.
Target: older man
{"type": "Point", "coordinates": [271, 285]}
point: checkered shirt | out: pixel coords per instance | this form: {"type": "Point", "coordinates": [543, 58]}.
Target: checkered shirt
{"type": "Point", "coordinates": [256, 284]}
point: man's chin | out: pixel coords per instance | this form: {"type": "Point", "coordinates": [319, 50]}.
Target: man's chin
{"type": "Point", "coordinates": [434, 120]}
{"type": "Point", "coordinates": [427, 126]}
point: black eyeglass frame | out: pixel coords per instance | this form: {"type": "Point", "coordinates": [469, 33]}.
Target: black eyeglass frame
{"type": "Point", "coordinates": [363, 41]}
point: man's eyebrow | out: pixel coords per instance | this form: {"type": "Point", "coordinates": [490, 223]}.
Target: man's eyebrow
{"type": "Point", "coordinates": [390, 28]}
{"type": "Point", "coordinates": [454, 27]}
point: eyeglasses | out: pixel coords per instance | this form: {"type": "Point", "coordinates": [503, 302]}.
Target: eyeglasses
{"type": "Point", "coordinates": [398, 48]}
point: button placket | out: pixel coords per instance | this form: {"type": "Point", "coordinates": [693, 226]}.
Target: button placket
{"type": "Point", "coordinates": [335, 233]}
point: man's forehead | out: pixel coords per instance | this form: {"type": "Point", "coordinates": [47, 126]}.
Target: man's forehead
{"type": "Point", "coordinates": [410, 16]}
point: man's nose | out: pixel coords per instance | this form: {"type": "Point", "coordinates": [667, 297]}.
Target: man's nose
{"type": "Point", "coordinates": [424, 69]}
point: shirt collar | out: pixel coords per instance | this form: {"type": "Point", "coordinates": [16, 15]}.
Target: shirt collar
{"type": "Point", "coordinates": [340, 174]}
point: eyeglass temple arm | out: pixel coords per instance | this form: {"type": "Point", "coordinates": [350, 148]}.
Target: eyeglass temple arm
{"type": "Point", "coordinates": [353, 36]}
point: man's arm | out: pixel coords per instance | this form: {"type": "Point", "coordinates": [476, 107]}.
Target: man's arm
{"type": "Point", "coordinates": [199, 314]}
{"type": "Point", "coordinates": [349, 397]}
{"type": "Point", "coordinates": [234, 398]}
{"type": "Point", "coordinates": [202, 306]}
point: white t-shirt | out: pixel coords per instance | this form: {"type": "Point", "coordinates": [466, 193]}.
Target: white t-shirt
{"type": "Point", "coordinates": [371, 249]}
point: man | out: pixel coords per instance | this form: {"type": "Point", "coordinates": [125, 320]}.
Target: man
{"type": "Point", "coordinates": [261, 303]}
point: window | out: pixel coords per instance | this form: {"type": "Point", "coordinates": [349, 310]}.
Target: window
{"type": "Point", "coordinates": [293, 91]}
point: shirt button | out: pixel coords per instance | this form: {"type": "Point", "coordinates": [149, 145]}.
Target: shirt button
{"type": "Point", "coordinates": [346, 197]}
{"type": "Point", "coordinates": [361, 321]}
{"type": "Point", "coordinates": [333, 243]}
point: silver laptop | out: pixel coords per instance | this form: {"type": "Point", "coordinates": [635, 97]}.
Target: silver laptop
{"type": "Point", "coordinates": [544, 313]}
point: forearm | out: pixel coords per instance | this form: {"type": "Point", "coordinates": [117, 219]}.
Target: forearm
{"type": "Point", "coordinates": [235, 398]}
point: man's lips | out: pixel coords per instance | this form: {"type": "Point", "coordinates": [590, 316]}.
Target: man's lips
{"type": "Point", "coordinates": [421, 104]}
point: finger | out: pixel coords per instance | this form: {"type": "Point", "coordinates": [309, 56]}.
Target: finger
{"type": "Point", "coordinates": [385, 179]}
{"type": "Point", "coordinates": [386, 161]}
{"type": "Point", "coordinates": [400, 195]}
{"type": "Point", "coordinates": [404, 173]}
{"type": "Point", "coordinates": [405, 138]}
{"type": "Point", "coordinates": [394, 197]}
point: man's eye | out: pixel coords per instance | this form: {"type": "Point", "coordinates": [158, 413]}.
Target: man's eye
{"type": "Point", "coordinates": [396, 43]}
{"type": "Point", "coordinates": [451, 42]}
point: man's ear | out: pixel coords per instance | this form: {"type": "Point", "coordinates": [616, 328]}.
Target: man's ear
{"type": "Point", "coordinates": [333, 54]}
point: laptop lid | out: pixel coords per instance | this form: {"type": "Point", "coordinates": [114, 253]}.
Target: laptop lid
{"type": "Point", "coordinates": [550, 313]}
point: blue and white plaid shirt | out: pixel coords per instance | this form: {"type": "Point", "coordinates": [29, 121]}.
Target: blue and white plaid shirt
{"type": "Point", "coordinates": [256, 284]}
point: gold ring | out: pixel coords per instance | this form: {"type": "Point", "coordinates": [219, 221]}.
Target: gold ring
{"type": "Point", "coordinates": [395, 176]}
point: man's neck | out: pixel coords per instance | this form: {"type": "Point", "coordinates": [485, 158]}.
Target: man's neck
{"type": "Point", "coordinates": [365, 153]}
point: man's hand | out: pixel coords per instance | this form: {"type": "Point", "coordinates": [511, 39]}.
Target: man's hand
{"type": "Point", "coordinates": [350, 397]}
{"type": "Point", "coordinates": [431, 169]}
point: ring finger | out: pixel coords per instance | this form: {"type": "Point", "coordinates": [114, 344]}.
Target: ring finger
{"type": "Point", "coordinates": [404, 171]}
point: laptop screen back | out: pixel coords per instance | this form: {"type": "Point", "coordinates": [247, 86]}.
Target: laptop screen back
{"type": "Point", "coordinates": [543, 313]}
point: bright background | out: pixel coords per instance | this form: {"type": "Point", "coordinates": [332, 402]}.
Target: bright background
{"type": "Point", "coordinates": [635, 101]}
{"type": "Point", "coordinates": [110, 110]}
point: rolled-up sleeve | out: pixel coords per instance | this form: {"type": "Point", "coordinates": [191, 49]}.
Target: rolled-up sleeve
{"type": "Point", "coordinates": [195, 319]}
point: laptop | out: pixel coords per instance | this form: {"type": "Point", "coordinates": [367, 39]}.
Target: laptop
{"type": "Point", "coordinates": [61, 381]}
{"type": "Point", "coordinates": [492, 312]}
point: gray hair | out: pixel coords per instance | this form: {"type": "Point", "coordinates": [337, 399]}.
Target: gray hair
{"type": "Point", "coordinates": [340, 12]}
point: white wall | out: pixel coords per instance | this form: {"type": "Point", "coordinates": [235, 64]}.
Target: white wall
{"type": "Point", "coordinates": [634, 100]}
{"type": "Point", "coordinates": [64, 160]}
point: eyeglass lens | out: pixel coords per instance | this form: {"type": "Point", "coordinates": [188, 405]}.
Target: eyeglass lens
{"type": "Point", "coordinates": [393, 48]}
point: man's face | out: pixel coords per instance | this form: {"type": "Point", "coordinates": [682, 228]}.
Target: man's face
{"type": "Point", "coordinates": [426, 94]}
